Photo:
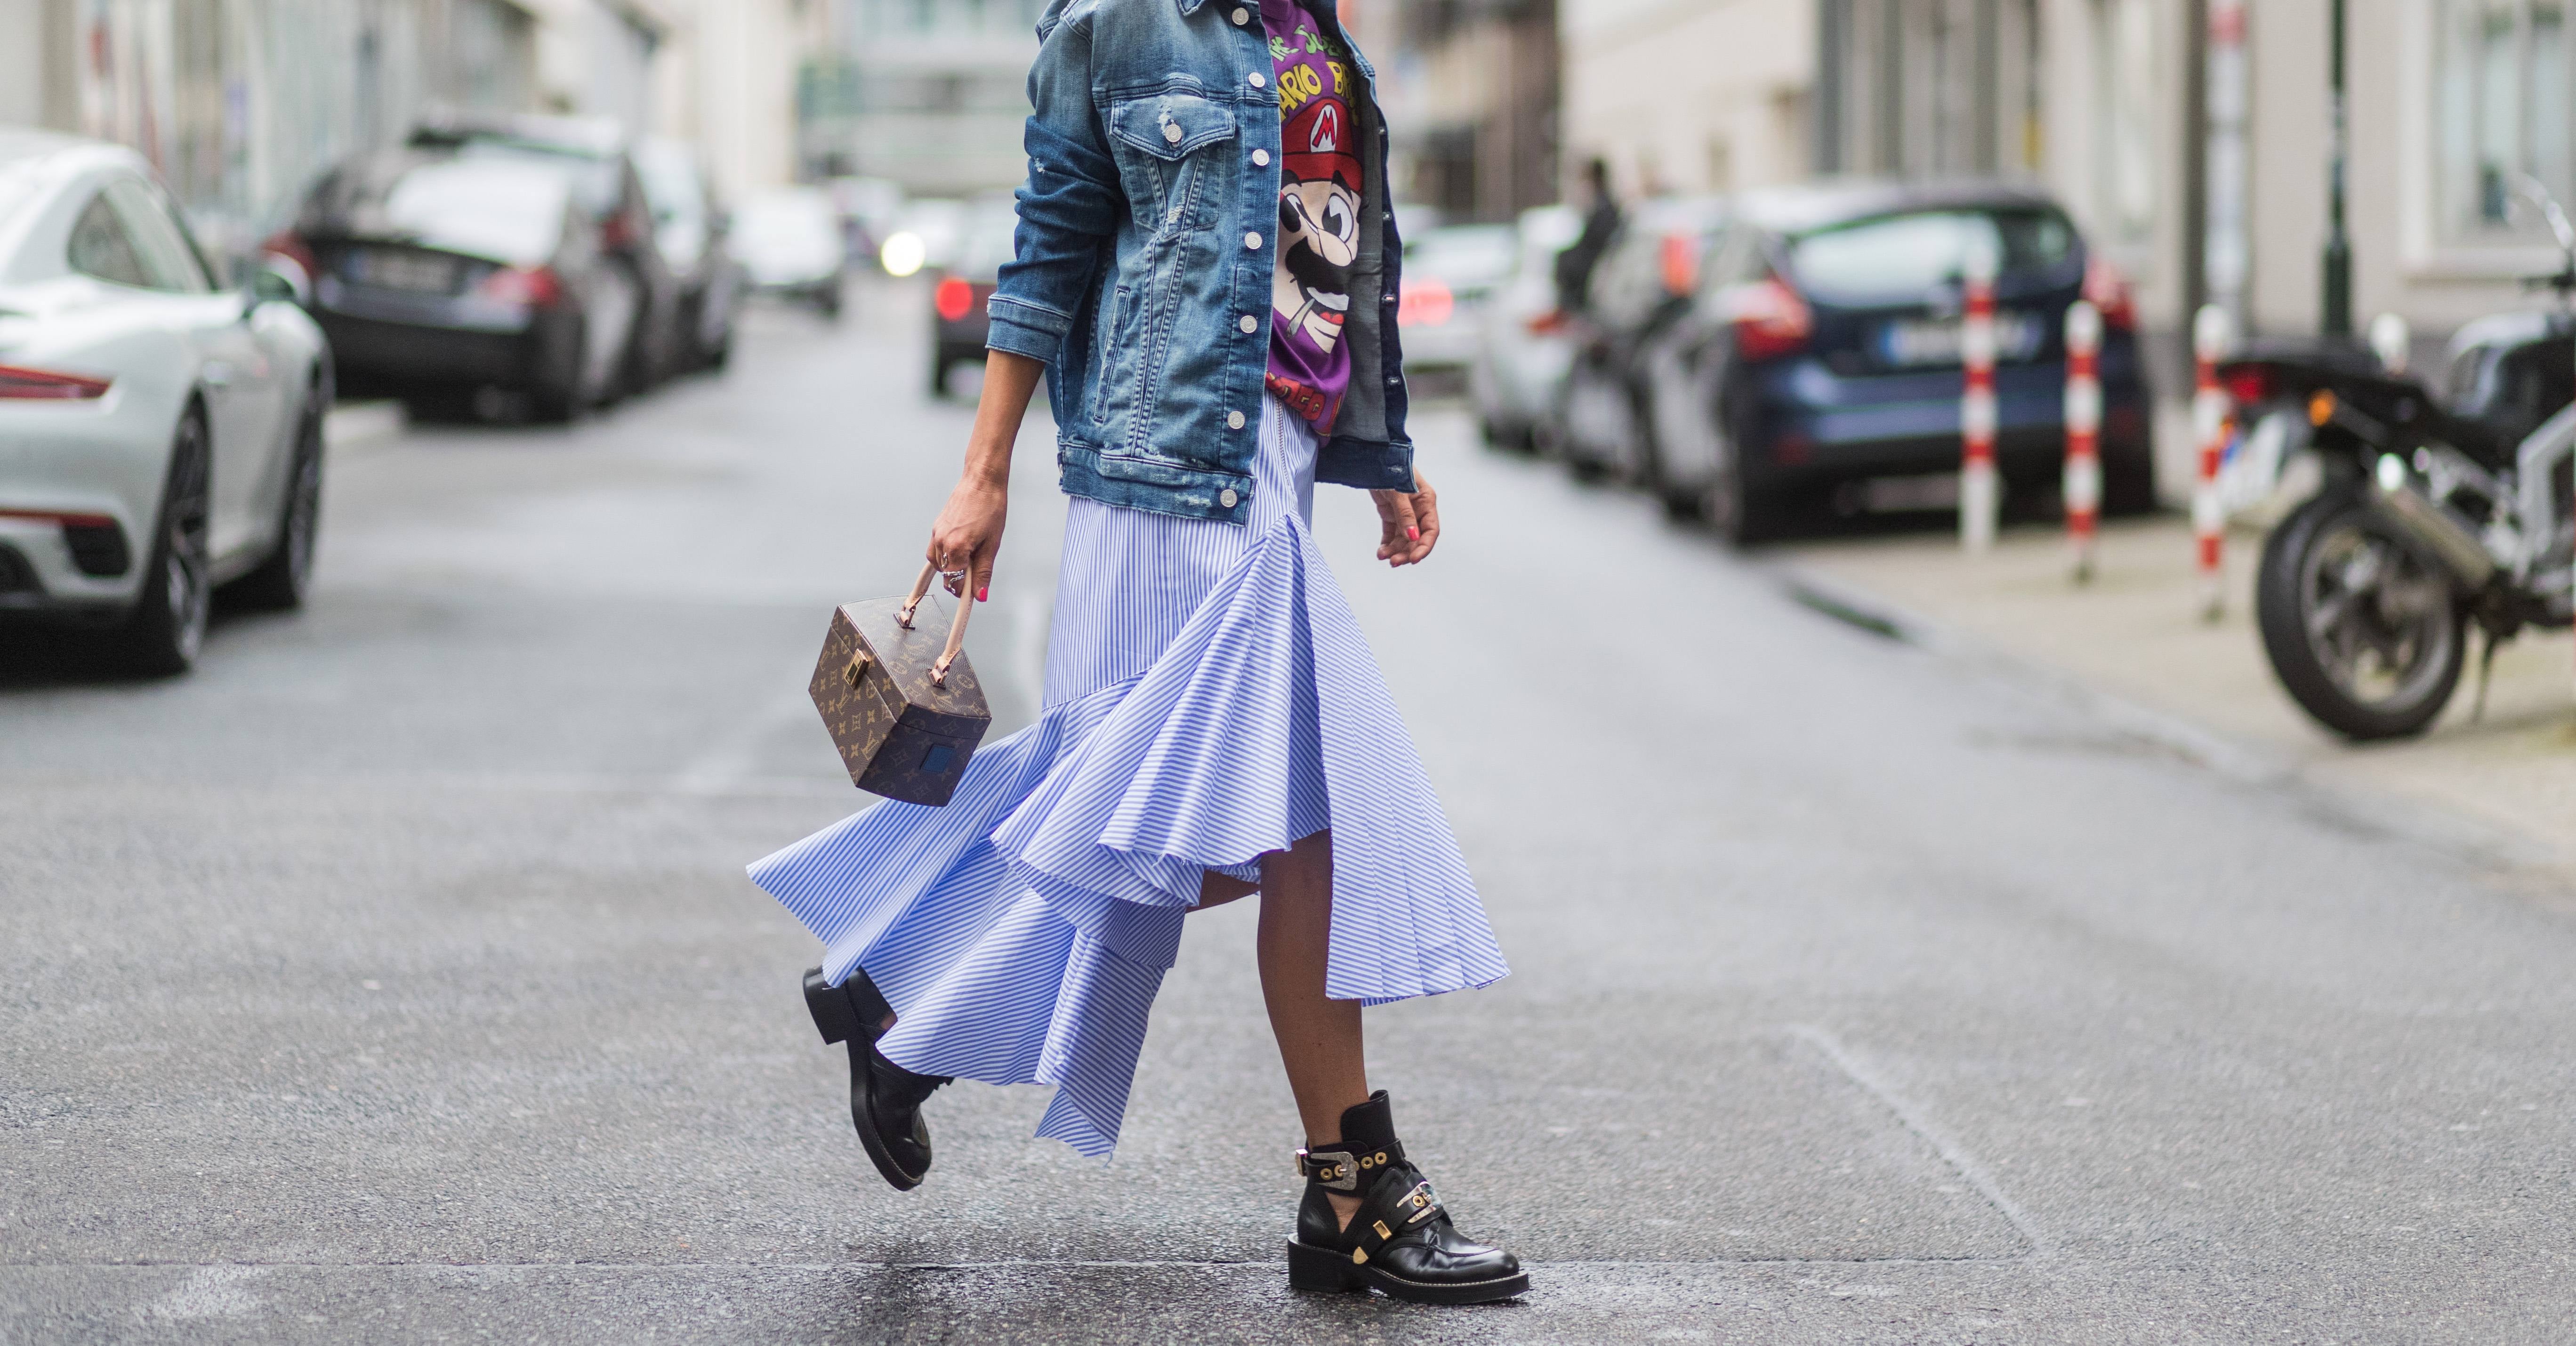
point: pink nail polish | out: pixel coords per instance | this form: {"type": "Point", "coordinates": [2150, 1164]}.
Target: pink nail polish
{"type": "Point", "coordinates": [985, 594]}
{"type": "Point", "coordinates": [1413, 535]}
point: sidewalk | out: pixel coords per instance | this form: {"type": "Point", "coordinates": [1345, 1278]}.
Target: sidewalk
{"type": "Point", "coordinates": [2135, 635]}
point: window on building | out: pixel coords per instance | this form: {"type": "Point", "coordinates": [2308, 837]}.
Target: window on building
{"type": "Point", "coordinates": [2501, 113]}
{"type": "Point", "coordinates": [2124, 121]}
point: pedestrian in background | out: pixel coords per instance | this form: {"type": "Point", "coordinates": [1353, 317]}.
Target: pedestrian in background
{"type": "Point", "coordinates": [1600, 223]}
{"type": "Point", "coordinates": [1206, 274]}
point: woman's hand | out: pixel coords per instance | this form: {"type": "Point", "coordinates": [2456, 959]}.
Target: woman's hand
{"type": "Point", "coordinates": [968, 535]}
{"type": "Point", "coordinates": [1408, 525]}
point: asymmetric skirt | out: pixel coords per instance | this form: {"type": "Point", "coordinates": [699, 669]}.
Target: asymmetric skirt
{"type": "Point", "coordinates": [1209, 699]}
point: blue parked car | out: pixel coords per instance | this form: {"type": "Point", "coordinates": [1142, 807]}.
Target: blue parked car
{"type": "Point", "coordinates": [1815, 358]}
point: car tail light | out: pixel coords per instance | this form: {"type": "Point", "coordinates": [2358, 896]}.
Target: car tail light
{"type": "Point", "coordinates": [286, 243]}
{"type": "Point", "coordinates": [1426, 303]}
{"type": "Point", "coordinates": [2109, 295]}
{"type": "Point", "coordinates": [18, 384]}
{"type": "Point", "coordinates": [955, 298]}
{"type": "Point", "coordinates": [2247, 384]}
{"type": "Point", "coordinates": [1771, 320]}
{"type": "Point", "coordinates": [1679, 258]}
{"type": "Point", "coordinates": [534, 286]}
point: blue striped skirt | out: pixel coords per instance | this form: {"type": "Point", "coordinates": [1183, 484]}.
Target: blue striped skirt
{"type": "Point", "coordinates": [1209, 699]}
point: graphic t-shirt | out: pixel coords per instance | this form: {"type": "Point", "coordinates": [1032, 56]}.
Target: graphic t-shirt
{"type": "Point", "coordinates": [1319, 214]}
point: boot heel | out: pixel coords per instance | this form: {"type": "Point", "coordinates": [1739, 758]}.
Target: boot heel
{"type": "Point", "coordinates": [834, 1016]}
{"type": "Point", "coordinates": [1312, 1268]}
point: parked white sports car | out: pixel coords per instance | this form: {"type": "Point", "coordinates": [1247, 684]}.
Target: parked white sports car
{"type": "Point", "coordinates": [159, 433]}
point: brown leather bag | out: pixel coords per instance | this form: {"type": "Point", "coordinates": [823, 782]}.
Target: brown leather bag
{"type": "Point", "coordinates": [906, 712]}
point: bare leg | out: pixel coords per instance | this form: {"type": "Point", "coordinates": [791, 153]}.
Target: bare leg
{"type": "Point", "coordinates": [1319, 1038]}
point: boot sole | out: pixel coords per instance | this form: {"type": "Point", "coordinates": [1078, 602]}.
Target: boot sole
{"type": "Point", "coordinates": [838, 1021]}
{"type": "Point", "coordinates": [1322, 1269]}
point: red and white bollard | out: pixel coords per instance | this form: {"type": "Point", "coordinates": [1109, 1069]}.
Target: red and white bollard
{"type": "Point", "coordinates": [1977, 492]}
{"type": "Point", "coordinates": [2083, 486]}
{"type": "Point", "coordinates": [2210, 339]}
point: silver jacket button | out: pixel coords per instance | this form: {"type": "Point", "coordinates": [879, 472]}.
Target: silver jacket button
{"type": "Point", "coordinates": [1257, 80]}
{"type": "Point", "coordinates": [1252, 241]}
{"type": "Point", "coordinates": [1172, 132]}
{"type": "Point", "coordinates": [1249, 323]}
{"type": "Point", "coordinates": [1227, 497]}
{"type": "Point", "coordinates": [1233, 421]}
{"type": "Point", "coordinates": [1261, 158]}
{"type": "Point", "coordinates": [1241, 16]}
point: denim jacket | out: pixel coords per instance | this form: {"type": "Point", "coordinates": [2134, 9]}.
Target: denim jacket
{"type": "Point", "coordinates": [1144, 251]}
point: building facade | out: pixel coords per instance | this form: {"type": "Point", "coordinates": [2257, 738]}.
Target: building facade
{"type": "Point", "coordinates": [1689, 95]}
{"type": "Point", "coordinates": [930, 94]}
{"type": "Point", "coordinates": [2193, 138]}
{"type": "Point", "coordinates": [238, 104]}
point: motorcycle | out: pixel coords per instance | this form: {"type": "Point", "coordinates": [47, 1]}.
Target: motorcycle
{"type": "Point", "coordinates": [2437, 516]}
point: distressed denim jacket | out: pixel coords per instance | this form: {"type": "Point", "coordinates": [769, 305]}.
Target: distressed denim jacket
{"type": "Point", "coordinates": [1144, 252]}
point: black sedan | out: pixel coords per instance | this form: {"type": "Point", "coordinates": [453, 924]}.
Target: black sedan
{"type": "Point", "coordinates": [1817, 360]}
{"type": "Point", "coordinates": [958, 295]}
{"type": "Point", "coordinates": [437, 271]}
{"type": "Point", "coordinates": [609, 187]}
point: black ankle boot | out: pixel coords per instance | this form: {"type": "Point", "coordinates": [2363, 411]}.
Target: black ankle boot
{"type": "Point", "coordinates": [885, 1098]}
{"type": "Point", "coordinates": [1401, 1241]}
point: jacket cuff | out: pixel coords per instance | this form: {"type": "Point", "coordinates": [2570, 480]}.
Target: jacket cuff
{"type": "Point", "coordinates": [1024, 329]}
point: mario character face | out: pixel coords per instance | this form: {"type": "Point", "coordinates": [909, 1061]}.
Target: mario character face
{"type": "Point", "coordinates": [1319, 229]}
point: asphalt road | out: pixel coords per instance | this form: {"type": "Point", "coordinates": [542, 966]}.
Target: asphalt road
{"type": "Point", "coordinates": [394, 976]}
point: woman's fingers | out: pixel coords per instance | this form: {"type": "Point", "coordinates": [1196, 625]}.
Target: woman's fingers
{"type": "Point", "coordinates": [1396, 529]}
{"type": "Point", "coordinates": [967, 538]}
{"type": "Point", "coordinates": [1426, 518]}
{"type": "Point", "coordinates": [1408, 523]}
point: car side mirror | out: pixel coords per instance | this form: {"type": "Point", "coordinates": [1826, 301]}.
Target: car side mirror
{"type": "Point", "coordinates": [281, 279]}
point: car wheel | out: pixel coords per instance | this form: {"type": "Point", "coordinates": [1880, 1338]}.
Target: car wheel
{"type": "Point", "coordinates": [280, 581]}
{"type": "Point", "coordinates": [1738, 514]}
{"type": "Point", "coordinates": [556, 397]}
{"type": "Point", "coordinates": [168, 625]}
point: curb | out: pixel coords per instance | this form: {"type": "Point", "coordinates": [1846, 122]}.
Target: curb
{"type": "Point", "coordinates": [2480, 845]}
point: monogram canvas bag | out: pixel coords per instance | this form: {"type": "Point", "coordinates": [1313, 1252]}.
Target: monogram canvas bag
{"type": "Point", "coordinates": [904, 709]}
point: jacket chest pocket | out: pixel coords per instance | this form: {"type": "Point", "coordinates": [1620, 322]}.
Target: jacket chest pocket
{"type": "Point", "coordinates": [1170, 149]}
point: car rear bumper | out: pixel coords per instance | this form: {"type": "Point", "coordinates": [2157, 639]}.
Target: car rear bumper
{"type": "Point", "coordinates": [80, 489]}
{"type": "Point", "coordinates": [1839, 435]}
{"type": "Point", "coordinates": [1442, 346]}
{"type": "Point", "coordinates": [374, 348]}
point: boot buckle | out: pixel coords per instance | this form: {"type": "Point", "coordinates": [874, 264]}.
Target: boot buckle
{"type": "Point", "coordinates": [1337, 1169]}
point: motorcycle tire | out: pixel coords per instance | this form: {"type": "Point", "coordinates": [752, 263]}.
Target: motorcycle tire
{"type": "Point", "coordinates": [2282, 610]}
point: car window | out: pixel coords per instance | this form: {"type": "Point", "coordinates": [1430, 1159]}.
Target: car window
{"type": "Point", "coordinates": [1904, 255]}
{"type": "Point", "coordinates": [160, 242]}
{"type": "Point", "coordinates": [100, 246]}
{"type": "Point", "coordinates": [508, 210]}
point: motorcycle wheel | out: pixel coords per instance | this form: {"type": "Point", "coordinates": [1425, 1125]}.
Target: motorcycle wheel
{"type": "Point", "coordinates": [2362, 626]}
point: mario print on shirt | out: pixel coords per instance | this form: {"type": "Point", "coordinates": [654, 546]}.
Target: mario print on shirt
{"type": "Point", "coordinates": [1319, 216]}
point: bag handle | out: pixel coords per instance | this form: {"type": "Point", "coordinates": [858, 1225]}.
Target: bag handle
{"type": "Point", "coordinates": [956, 628]}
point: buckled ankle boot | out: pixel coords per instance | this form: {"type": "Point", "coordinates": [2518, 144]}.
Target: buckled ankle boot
{"type": "Point", "coordinates": [1402, 1240]}
{"type": "Point", "coordinates": [885, 1098]}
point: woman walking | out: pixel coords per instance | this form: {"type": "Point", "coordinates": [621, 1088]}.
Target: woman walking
{"type": "Point", "coordinates": [1206, 275]}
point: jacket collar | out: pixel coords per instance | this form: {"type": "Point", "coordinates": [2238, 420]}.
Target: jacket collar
{"type": "Point", "coordinates": [1190, 7]}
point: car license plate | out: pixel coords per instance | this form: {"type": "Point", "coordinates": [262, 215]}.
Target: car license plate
{"type": "Point", "coordinates": [1937, 342]}
{"type": "Point", "coordinates": [394, 269]}
{"type": "Point", "coordinates": [1899, 495]}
